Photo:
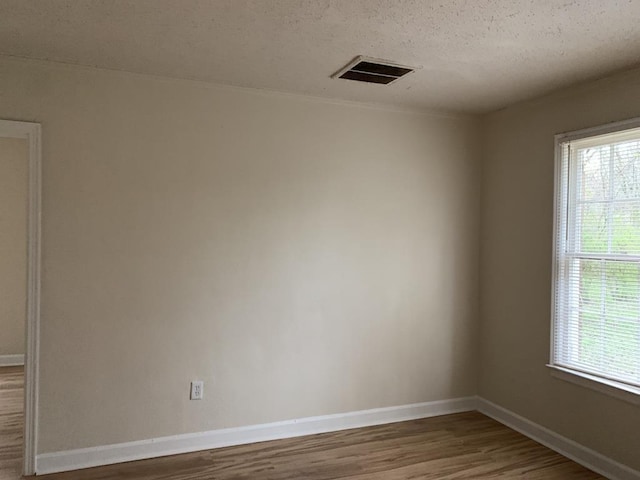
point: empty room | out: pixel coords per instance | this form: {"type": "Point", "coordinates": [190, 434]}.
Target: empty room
{"type": "Point", "coordinates": [319, 239]}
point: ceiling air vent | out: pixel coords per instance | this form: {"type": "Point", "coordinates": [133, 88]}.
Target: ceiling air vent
{"type": "Point", "coordinates": [373, 70]}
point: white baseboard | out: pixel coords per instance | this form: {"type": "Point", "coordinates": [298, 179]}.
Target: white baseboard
{"type": "Point", "coordinates": [578, 453]}
{"type": "Point", "coordinates": [11, 360]}
{"type": "Point", "coordinates": [192, 442]}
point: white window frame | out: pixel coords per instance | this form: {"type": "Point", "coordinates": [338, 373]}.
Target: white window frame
{"type": "Point", "coordinates": [607, 386]}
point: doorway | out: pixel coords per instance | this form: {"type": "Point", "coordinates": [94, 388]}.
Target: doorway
{"type": "Point", "coordinates": [19, 294]}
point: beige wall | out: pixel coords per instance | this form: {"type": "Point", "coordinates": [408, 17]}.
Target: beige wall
{"type": "Point", "coordinates": [13, 244]}
{"type": "Point", "coordinates": [516, 267]}
{"type": "Point", "coordinates": [301, 257]}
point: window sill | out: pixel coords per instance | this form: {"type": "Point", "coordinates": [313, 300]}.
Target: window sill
{"type": "Point", "coordinates": [608, 387]}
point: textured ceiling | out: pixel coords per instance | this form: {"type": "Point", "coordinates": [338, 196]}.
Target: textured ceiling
{"type": "Point", "coordinates": [476, 55]}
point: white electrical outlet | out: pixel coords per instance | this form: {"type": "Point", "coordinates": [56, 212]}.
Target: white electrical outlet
{"type": "Point", "coordinates": [197, 390]}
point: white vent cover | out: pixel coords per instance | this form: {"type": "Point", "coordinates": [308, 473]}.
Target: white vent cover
{"type": "Point", "coordinates": [373, 70]}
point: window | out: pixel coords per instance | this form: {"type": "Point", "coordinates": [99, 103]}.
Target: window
{"type": "Point", "coordinates": [596, 311]}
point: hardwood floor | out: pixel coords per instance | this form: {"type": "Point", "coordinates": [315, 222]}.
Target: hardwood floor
{"type": "Point", "coordinates": [11, 426]}
{"type": "Point", "coordinates": [461, 446]}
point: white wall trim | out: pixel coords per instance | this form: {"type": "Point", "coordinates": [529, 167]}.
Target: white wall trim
{"type": "Point", "coordinates": [192, 442]}
{"type": "Point", "coordinates": [32, 133]}
{"type": "Point", "coordinates": [570, 449]}
{"type": "Point", "coordinates": [614, 389]}
{"type": "Point", "coordinates": [11, 360]}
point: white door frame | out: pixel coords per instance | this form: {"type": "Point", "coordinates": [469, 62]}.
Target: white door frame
{"type": "Point", "coordinates": [30, 132]}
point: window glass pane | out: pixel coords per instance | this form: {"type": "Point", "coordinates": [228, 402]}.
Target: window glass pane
{"type": "Point", "coordinates": [608, 318]}
{"type": "Point", "coordinates": [593, 227]}
{"type": "Point", "coordinates": [627, 170]}
{"type": "Point", "coordinates": [593, 173]}
{"type": "Point", "coordinates": [590, 309]}
{"type": "Point", "coordinates": [625, 227]}
{"type": "Point", "coordinates": [620, 317]}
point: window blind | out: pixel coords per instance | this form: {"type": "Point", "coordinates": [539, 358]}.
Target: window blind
{"type": "Point", "coordinates": [597, 284]}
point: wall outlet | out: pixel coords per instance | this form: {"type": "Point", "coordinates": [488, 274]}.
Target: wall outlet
{"type": "Point", "coordinates": [197, 390]}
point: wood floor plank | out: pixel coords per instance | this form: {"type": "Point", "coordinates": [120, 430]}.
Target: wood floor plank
{"type": "Point", "coordinates": [11, 421]}
{"type": "Point", "coordinates": [453, 447]}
